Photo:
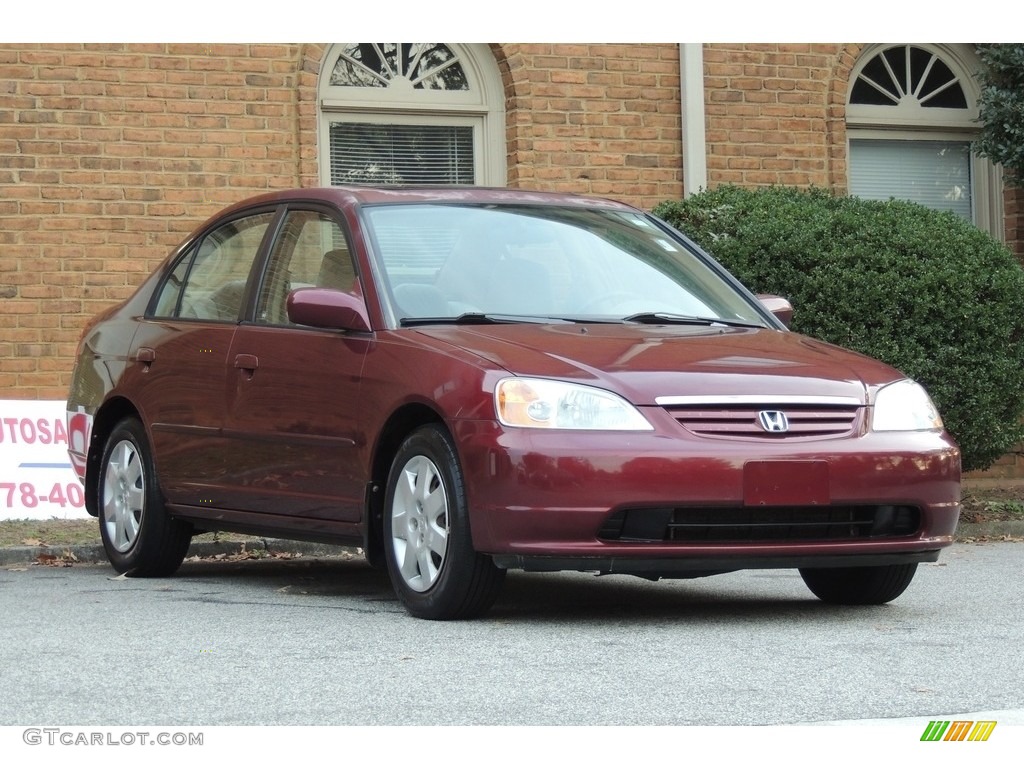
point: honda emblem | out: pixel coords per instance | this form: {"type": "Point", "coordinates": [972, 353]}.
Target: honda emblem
{"type": "Point", "coordinates": [773, 421]}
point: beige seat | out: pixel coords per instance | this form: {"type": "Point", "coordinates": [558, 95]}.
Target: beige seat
{"type": "Point", "coordinates": [336, 271]}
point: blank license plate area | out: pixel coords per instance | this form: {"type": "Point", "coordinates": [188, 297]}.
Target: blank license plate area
{"type": "Point", "coordinates": [785, 483]}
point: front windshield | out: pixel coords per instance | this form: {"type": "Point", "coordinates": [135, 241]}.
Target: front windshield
{"type": "Point", "coordinates": [534, 261]}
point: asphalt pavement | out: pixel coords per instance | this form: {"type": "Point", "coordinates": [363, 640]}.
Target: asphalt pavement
{"type": "Point", "coordinates": [325, 642]}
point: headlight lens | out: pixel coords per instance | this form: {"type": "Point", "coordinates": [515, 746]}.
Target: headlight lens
{"type": "Point", "coordinates": [904, 406]}
{"type": "Point", "coordinates": [547, 404]}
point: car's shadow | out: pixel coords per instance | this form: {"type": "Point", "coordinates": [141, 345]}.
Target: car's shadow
{"type": "Point", "coordinates": [768, 596]}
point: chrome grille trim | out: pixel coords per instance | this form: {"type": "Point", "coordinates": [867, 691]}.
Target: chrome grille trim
{"type": "Point", "coordinates": [762, 401]}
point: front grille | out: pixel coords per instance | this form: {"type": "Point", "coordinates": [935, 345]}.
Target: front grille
{"type": "Point", "coordinates": [741, 421]}
{"type": "Point", "coordinates": [758, 524]}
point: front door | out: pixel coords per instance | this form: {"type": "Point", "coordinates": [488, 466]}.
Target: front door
{"type": "Point", "coordinates": [293, 417]}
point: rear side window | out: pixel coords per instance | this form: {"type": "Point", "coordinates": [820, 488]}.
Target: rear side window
{"type": "Point", "coordinates": [209, 281]}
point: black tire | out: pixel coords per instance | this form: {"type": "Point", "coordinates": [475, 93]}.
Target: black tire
{"type": "Point", "coordinates": [140, 538]}
{"type": "Point", "coordinates": [870, 585]}
{"type": "Point", "coordinates": [435, 571]}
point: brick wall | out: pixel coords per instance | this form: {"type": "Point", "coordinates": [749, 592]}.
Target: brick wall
{"type": "Point", "coordinates": [595, 119]}
{"type": "Point", "coordinates": [776, 114]}
{"type": "Point", "coordinates": [109, 155]}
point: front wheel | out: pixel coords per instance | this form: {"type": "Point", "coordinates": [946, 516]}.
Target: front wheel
{"type": "Point", "coordinates": [866, 585]}
{"type": "Point", "coordinates": [435, 571]}
{"type": "Point", "coordinates": [140, 538]}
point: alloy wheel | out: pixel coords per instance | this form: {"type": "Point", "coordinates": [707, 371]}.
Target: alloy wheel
{"type": "Point", "coordinates": [419, 523]}
{"type": "Point", "coordinates": [124, 495]}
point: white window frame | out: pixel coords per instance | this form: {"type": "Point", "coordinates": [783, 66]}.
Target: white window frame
{"type": "Point", "coordinates": [482, 106]}
{"type": "Point", "coordinates": [911, 122]}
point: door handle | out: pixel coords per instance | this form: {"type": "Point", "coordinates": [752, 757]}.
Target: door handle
{"type": "Point", "coordinates": [145, 355]}
{"type": "Point", "coordinates": [247, 362]}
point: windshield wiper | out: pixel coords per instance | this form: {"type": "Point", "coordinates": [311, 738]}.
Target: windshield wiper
{"type": "Point", "coordinates": [479, 318]}
{"type": "Point", "coordinates": [667, 318]}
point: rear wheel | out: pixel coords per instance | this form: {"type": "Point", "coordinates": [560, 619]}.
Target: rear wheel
{"type": "Point", "coordinates": [140, 538]}
{"type": "Point", "coordinates": [870, 585]}
{"type": "Point", "coordinates": [430, 557]}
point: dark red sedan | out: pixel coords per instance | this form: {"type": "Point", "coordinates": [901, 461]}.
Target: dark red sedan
{"type": "Point", "coordinates": [463, 381]}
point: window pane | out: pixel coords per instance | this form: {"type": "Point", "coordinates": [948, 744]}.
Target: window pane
{"type": "Point", "coordinates": [897, 59]}
{"type": "Point", "coordinates": [541, 261]}
{"type": "Point", "coordinates": [430, 66]}
{"type": "Point", "coordinates": [941, 89]}
{"type": "Point", "coordinates": [437, 68]}
{"type": "Point", "coordinates": [370, 153]}
{"type": "Point", "coordinates": [310, 252]}
{"type": "Point", "coordinates": [934, 173]}
{"type": "Point", "coordinates": [886, 81]}
{"type": "Point", "coordinates": [865, 93]}
{"type": "Point", "coordinates": [167, 304]}
{"type": "Point", "coordinates": [216, 281]}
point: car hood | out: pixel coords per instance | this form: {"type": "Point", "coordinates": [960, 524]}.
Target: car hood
{"type": "Point", "coordinates": [644, 362]}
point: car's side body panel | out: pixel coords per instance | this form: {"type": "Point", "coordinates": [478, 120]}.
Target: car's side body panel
{"type": "Point", "coordinates": [176, 380]}
{"type": "Point", "coordinates": [294, 429]}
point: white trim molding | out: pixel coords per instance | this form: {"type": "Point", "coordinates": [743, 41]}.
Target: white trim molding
{"type": "Point", "coordinates": [695, 149]}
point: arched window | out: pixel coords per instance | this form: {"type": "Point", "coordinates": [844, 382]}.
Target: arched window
{"type": "Point", "coordinates": [911, 116]}
{"type": "Point", "coordinates": [411, 113]}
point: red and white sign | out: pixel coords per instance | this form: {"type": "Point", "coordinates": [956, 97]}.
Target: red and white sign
{"type": "Point", "coordinates": [36, 478]}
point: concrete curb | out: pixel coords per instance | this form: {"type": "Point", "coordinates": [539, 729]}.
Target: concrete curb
{"type": "Point", "coordinates": [1014, 528]}
{"type": "Point", "coordinates": [93, 553]}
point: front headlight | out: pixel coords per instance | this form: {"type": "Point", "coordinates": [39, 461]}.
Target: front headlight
{"type": "Point", "coordinates": [547, 404]}
{"type": "Point", "coordinates": [904, 406]}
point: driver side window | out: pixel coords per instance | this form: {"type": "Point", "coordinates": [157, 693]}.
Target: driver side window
{"type": "Point", "coordinates": [311, 252]}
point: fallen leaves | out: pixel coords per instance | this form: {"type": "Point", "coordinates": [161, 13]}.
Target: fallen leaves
{"type": "Point", "coordinates": [244, 554]}
{"type": "Point", "coordinates": [989, 538]}
{"type": "Point", "coordinates": [65, 559]}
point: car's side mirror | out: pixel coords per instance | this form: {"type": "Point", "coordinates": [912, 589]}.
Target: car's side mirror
{"type": "Point", "coordinates": [327, 308]}
{"type": "Point", "coordinates": [778, 306]}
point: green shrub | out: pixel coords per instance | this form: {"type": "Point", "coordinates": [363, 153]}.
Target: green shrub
{"type": "Point", "coordinates": [1001, 108]}
{"type": "Point", "coordinates": [922, 290]}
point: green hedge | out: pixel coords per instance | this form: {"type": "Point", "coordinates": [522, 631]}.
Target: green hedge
{"type": "Point", "coordinates": [924, 291]}
{"type": "Point", "coordinates": [1001, 108]}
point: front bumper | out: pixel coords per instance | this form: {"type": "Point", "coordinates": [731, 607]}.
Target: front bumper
{"type": "Point", "coordinates": [697, 566]}
{"type": "Point", "coordinates": [541, 500]}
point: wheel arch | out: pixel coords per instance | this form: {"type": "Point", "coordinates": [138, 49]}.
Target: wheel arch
{"type": "Point", "coordinates": [398, 426]}
{"type": "Point", "coordinates": [107, 416]}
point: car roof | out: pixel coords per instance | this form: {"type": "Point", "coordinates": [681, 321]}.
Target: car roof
{"type": "Point", "coordinates": [362, 195]}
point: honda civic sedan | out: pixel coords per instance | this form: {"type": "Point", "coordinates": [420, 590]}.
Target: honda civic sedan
{"type": "Point", "coordinates": [461, 381]}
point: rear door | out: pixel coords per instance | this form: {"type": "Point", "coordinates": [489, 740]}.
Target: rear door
{"type": "Point", "coordinates": [180, 353]}
{"type": "Point", "coordinates": [293, 404]}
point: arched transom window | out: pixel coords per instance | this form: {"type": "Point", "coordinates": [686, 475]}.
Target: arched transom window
{"type": "Point", "coordinates": [411, 113]}
{"type": "Point", "coordinates": [911, 117]}
{"type": "Point", "coordinates": [910, 76]}
{"type": "Point", "coordinates": [400, 66]}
